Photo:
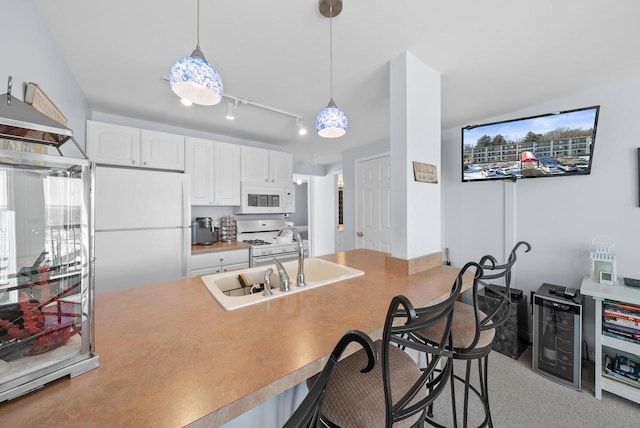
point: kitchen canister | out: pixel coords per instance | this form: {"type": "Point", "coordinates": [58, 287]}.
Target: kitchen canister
{"type": "Point", "coordinates": [228, 229]}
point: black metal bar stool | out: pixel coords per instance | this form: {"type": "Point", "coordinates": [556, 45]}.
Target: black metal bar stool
{"type": "Point", "coordinates": [397, 391]}
{"type": "Point", "coordinates": [473, 332]}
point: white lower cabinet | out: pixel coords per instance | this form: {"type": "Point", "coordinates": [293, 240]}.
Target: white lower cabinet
{"type": "Point", "coordinates": [219, 261]}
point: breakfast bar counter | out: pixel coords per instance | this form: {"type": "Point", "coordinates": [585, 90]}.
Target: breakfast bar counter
{"type": "Point", "coordinates": [171, 355]}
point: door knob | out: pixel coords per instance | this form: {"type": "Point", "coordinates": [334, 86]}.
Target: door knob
{"type": "Point", "coordinates": [360, 234]}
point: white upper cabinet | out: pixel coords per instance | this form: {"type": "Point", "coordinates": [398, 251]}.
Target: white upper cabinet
{"type": "Point", "coordinates": [161, 150]}
{"type": "Point", "coordinates": [215, 172]}
{"type": "Point", "coordinates": [198, 162]}
{"type": "Point", "coordinates": [281, 168]}
{"type": "Point", "coordinates": [226, 174]}
{"type": "Point", "coordinates": [254, 165]}
{"type": "Point", "coordinates": [113, 144]}
{"type": "Point", "coordinates": [266, 167]}
{"type": "Point", "coordinates": [127, 146]}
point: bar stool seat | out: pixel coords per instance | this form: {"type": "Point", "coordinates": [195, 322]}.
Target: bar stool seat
{"type": "Point", "coordinates": [463, 328]}
{"type": "Point", "coordinates": [308, 413]}
{"type": "Point", "coordinates": [357, 399]}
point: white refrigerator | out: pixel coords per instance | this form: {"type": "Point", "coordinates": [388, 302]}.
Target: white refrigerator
{"type": "Point", "coordinates": [142, 227]}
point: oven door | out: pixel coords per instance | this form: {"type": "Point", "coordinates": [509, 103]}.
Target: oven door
{"type": "Point", "coordinates": [260, 200]}
{"type": "Point", "coordinates": [268, 260]}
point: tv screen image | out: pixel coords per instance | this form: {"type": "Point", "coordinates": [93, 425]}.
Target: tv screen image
{"type": "Point", "coordinates": [549, 145]}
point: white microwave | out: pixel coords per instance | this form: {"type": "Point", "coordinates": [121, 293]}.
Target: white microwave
{"type": "Point", "coordinates": [261, 200]}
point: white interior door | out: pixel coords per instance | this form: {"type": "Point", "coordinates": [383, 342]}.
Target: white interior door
{"type": "Point", "coordinates": [373, 205]}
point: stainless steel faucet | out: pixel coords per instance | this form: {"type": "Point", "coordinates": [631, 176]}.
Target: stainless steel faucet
{"type": "Point", "coordinates": [300, 278]}
{"type": "Point", "coordinates": [284, 277]}
{"type": "Point", "coordinates": [267, 283]}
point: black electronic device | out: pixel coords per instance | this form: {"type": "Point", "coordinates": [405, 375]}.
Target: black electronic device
{"type": "Point", "coordinates": [492, 290]}
{"type": "Point", "coordinates": [549, 145]}
{"type": "Point", "coordinates": [632, 282]}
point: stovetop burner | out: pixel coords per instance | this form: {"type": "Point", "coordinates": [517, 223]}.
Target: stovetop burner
{"type": "Point", "coordinates": [256, 242]}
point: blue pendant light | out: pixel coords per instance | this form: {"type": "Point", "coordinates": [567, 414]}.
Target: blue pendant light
{"type": "Point", "coordinates": [331, 122]}
{"type": "Point", "coordinates": [194, 79]}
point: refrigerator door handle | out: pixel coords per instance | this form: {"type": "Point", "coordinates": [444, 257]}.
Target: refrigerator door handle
{"type": "Point", "coordinates": [186, 223]}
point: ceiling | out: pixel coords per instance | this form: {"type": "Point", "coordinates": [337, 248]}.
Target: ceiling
{"type": "Point", "coordinates": [494, 56]}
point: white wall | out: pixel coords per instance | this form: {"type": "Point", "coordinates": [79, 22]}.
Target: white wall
{"type": "Point", "coordinates": [558, 216]}
{"type": "Point", "coordinates": [301, 216]}
{"type": "Point", "coordinates": [415, 137]}
{"type": "Point", "coordinates": [322, 216]}
{"type": "Point", "coordinates": [29, 54]}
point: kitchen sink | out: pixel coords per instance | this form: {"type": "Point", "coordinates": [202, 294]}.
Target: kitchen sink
{"type": "Point", "coordinates": [230, 294]}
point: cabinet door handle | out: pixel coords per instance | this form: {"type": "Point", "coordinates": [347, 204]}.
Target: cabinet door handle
{"type": "Point", "coordinates": [146, 163]}
{"type": "Point", "coordinates": [133, 162]}
{"type": "Point", "coordinates": [360, 234]}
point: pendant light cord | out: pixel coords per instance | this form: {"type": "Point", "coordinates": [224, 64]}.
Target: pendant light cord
{"type": "Point", "coordinates": [330, 49]}
{"type": "Point", "coordinates": [198, 26]}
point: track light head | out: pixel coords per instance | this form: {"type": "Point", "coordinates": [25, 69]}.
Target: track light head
{"type": "Point", "coordinates": [302, 130]}
{"type": "Point", "coordinates": [230, 115]}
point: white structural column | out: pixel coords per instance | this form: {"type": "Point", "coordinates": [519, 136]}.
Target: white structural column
{"type": "Point", "coordinates": [416, 212]}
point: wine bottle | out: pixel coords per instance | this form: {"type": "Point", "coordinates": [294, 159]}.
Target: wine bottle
{"type": "Point", "coordinates": [549, 350]}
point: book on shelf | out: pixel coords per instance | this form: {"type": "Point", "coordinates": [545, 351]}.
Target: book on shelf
{"type": "Point", "coordinates": [621, 378]}
{"type": "Point", "coordinates": [626, 307]}
{"type": "Point", "coordinates": [624, 315]}
{"type": "Point", "coordinates": [622, 321]}
{"type": "Point", "coordinates": [619, 369]}
{"type": "Point", "coordinates": [621, 332]}
{"type": "Point", "coordinates": [622, 312]}
{"type": "Point", "coordinates": [627, 367]}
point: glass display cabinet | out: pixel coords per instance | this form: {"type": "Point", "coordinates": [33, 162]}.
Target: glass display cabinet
{"type": "Point", "coordinates": [46, 254]}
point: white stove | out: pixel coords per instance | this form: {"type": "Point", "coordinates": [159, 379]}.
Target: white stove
{"type": "Point", "coordinates": [261, 235]}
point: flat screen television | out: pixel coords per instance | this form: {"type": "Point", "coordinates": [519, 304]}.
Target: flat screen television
{"type": "Point", "coordinates": [549, 145]}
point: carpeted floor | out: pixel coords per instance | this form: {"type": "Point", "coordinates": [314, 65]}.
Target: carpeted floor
{"type": "Point", "coordinates": [522, 398]}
